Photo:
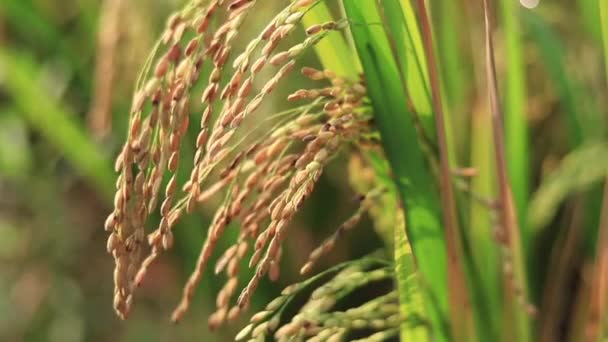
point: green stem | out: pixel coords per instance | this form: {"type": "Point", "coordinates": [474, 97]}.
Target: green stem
{"type": "Point", "coordinates": [515, 125]}
{"type": "Point", "coordinates": [518, 292]}
{"type": "Point", "coordinates": [460, 303]}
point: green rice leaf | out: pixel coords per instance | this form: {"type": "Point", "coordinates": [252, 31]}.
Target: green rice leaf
{"type": "Point", "coordinates": [411, 173]}
{"type": "Point", "coordinates": [516, 126]}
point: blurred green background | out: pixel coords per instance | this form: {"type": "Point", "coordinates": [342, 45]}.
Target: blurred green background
{"type": "Point", "coordinates": [67, 69]}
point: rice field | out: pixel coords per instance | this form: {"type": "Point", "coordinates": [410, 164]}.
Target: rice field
{"type": "Point", "coordinates": [307, 170]}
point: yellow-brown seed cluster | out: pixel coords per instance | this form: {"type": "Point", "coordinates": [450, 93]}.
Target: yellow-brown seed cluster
{"type": "Point", "coordinates": [264, 185]}
{"type": "Point", "coordinates": [269, 182]}
{"type": "Point", "coordinates": [153, 143]}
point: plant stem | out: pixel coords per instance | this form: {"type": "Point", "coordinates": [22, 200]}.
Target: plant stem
{"type": "Point", "coordinates": [515, 124]}
{"type": "Point", "coordinates": [459, 298]}
{"type": "Point", "coordinates": [507, 211]}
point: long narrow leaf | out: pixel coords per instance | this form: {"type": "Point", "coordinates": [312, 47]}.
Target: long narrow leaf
{"type": "Point", "coordinates": [408, 281]}
{"type": "Point", "coordinates": [518, 299]}
{"type": "Point", "coordinates": [400, 140]}
{"type": "Point", "coordinates": [404, 34]}
{"type": "Point", "coordinates": [461, 315]}
{"type": "Point", "coordinates": [516, 128]}
{"type": "Point", "coordinates": [485, 253]}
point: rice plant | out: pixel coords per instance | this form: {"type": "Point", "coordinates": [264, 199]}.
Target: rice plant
{"type": "Point", "coordinates": [472, 136]}
{"type": "Point", "coordinates": [380, 99]}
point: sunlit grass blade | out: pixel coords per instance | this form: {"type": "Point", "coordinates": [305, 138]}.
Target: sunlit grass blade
{"type": "Point", "coordinates": [517, 295]}
{"type": "Point", "coordinates": [412, 303]}
{"type": "Point", "coordinates": [515, 120]}
{"type": "Point", "coordinates": [404, 35]}
{"type": "Point", "coordinates": [415, 183]}
{"type": "Point", "coordinates": [460, 306]}
{"type": "Point", "coordinates": [479, 232]}
{"type": "Point", "coordinates": [449, 34]}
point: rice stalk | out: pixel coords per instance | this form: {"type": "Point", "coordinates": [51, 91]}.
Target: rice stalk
{"type": "Point", "coordinates": [399, 130]}
{"type": "Point", "coordinates": [515, 276]}
{"type": "Point", "coordinates": [461, 314]}
{"type": "Point", "coordinates": [99, 117]}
